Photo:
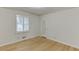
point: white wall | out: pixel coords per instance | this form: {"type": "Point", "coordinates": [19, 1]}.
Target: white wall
{"type": "Point", "coordinates": [8, 26]}
{"type": "Point", "coordinates": [63, 25]}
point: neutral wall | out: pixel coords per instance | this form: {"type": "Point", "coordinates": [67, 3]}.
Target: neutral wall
{"type": "Point", "coordinates": [8, 26]}
{"type": "Point", "coordinates": [63, 25]}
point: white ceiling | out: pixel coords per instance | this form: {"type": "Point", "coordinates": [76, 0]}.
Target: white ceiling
{"type": "Point", "coordinates": [40, 10]}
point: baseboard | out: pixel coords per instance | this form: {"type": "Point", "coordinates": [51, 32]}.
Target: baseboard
{"type": "Point", "coordinates": [61, 42]}
{"type": "Point", "coordinates": [43, 36]}
{"type": "Point", "coordinates": [8, 43]}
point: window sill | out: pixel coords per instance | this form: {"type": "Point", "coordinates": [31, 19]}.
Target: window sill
{"type": "Point", "coordinates": [22, 32]}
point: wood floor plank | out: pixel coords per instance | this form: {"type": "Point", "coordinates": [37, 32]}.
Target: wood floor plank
{"type": "Point", "coordinates": [38, 44]}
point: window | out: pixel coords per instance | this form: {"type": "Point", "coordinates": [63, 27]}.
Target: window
{"type": "Point", "coordinates": [22, 23]}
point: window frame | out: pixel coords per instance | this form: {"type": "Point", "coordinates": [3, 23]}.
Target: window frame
{"type": "Point", "coordinates": [23, 24]}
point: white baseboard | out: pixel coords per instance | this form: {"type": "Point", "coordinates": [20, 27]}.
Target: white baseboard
{"type": "Point", "coordinates": [61, 42]}
{"type": "Point", "coordinates": [37, 36]}
{"type": "Point", "coordinates": [8, 43]}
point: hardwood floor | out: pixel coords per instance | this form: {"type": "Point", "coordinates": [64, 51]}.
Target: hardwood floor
{"type": "Point", "coordinates": [38, 44]}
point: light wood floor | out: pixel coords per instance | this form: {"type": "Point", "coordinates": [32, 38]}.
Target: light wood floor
{"type": "Point", "coordinates": [38, 44]}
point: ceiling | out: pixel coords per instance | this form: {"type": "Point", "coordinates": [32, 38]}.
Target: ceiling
{"type": "Point", "coordinates": [40, 10]}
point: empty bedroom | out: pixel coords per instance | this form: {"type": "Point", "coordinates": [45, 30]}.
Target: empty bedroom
{"type": "Point", "coordinates": [39, 29]}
